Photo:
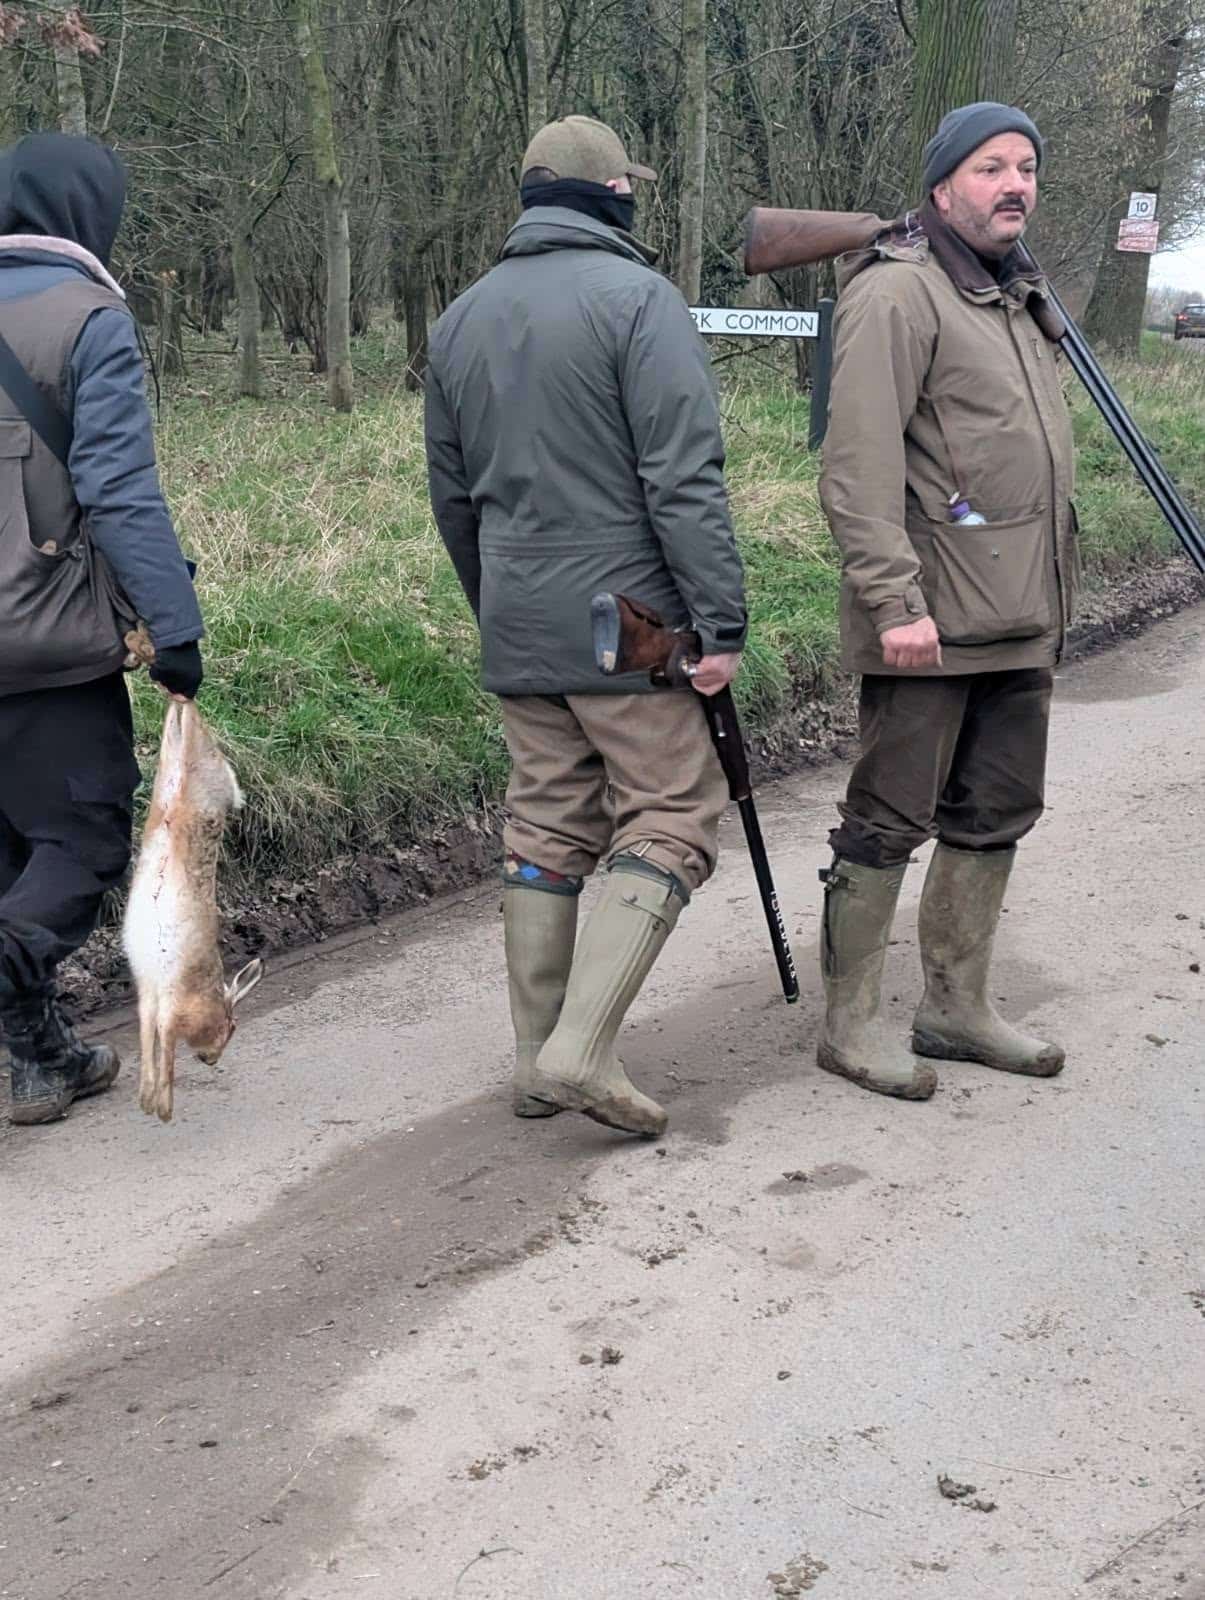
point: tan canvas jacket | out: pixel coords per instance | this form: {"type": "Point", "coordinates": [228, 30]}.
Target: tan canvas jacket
{"type": "Point", "coordinates": [945, 387]}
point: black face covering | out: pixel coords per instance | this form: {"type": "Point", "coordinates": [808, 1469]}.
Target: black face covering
{"type": "Point", "coordinates": [63, 186]}
{"type": "Point", "coordinates": [591, 199]}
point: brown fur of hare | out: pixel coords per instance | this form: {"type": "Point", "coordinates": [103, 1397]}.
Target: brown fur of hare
{"type": "Point", "coordinates": [170, 931]}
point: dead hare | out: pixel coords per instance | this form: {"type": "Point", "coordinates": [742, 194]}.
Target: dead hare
{"type": "Point", "coordinates": [170, 931]}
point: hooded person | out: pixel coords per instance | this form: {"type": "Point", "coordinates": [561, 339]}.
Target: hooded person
{"type": "Point", "coordinates": [573, 445]}
{"type": "Point", "coordinates": [86, 545]}
{"type": "Point", "coordinates": [947, 480]}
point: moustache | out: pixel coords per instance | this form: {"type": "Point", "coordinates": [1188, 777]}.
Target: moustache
{"type": "Point", "coordinates": [1011, 203]}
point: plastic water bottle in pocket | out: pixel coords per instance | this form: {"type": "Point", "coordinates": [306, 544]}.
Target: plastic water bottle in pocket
{"type": "Point", "coordinates": [960, 511]}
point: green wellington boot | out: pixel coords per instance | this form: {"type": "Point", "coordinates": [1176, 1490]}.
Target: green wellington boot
{"type": "Point", "coordinates": [578, 1069]}
{"type": "Point", "coordinates": [540, 927]}
{"type": "Point", "coordinates": [959, 911]}
{"type": "Point", "coordinates": [859, 908]}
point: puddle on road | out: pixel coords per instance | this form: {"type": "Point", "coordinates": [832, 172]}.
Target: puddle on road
{"type": "Point", "coordinates": [1134, 681]}
{"type": "Point", "coordinates": [834, 1175]}
{"type": "Point", "coordinates": [1147, 666]}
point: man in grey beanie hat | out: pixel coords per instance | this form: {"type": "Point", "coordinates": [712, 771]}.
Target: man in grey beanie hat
{"type": "Point", "coordinates": [948, 470]}
{"type": "Point", "coordinates": [962, 131]}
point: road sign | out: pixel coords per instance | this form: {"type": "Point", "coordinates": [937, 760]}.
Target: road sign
{"type": "Point", "coordinates": [748, 322]}
{"type": "Point", "coordinates": [1141, 236]}
{"type": "Point", "coordinates": [1142, 207]}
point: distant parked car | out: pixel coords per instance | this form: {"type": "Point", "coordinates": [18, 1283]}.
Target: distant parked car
{"type": "Point", "coordinates": [1190, 323]}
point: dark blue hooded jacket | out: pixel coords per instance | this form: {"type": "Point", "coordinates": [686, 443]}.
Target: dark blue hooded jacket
{"type": "Point", "coordinates": [63, 187]}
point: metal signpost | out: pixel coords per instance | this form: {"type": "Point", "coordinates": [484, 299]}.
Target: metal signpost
{"type": "Point", "coordinates": [754, 322]}
{"type": "Point", "coordinates": [1140, 230]}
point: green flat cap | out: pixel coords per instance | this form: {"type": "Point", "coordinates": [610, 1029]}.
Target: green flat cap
{"type": "Point", "coordinates": [582, 147]}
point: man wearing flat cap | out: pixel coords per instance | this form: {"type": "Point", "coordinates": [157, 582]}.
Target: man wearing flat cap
{"type": "Point", "coordinates": [948, 472]}
{"type": "Point", "coordinates": [573, 446]}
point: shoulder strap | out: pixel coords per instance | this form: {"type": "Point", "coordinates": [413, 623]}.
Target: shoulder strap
{"type": "Point", "coordinates": [43, 416]}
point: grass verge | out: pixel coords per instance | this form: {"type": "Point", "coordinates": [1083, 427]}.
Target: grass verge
{"type": "Point", "coordinates": [341, 661]}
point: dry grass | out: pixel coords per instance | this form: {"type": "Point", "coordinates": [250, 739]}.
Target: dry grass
{"type": "Point", "coordinates": [342, 658]}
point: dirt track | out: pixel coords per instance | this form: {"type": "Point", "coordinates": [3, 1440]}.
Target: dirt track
{"type": "Point", "coordinates": [345, 1326]}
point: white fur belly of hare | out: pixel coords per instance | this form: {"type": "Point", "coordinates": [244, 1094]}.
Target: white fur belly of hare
{"type": "Point", "coordinates": [171, 929]}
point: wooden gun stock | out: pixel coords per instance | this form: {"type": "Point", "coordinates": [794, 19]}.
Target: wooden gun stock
{"type": "Point", "coordinates": [777, 239]}
{"type": "Point", "coordinates": [630, 637]}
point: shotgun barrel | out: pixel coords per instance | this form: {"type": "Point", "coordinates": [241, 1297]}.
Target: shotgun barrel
{"type": "Point", "coordinates": [1142, 454]}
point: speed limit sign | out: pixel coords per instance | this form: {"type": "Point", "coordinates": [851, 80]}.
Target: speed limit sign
{"type": "Point", "coordinates": [1142, 207]}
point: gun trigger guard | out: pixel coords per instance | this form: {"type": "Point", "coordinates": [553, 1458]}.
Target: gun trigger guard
{"type": "Point", "coordinates": [682, 655]}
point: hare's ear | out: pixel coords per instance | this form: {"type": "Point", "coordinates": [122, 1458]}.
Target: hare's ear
{"type": "Point", "coordinates": [241, 985]}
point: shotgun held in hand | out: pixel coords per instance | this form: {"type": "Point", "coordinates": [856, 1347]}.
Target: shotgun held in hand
{"type": "Point", "coordinates": [631, 637]}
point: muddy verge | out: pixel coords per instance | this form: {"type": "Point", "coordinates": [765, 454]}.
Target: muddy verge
{"type": "Point", "coordinates": [283, 913]}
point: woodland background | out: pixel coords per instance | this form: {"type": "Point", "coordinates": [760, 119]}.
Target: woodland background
{"type": "Point", "coordinates": [313, 181]}
{"type": "Point", "coordinates": [300, 165]}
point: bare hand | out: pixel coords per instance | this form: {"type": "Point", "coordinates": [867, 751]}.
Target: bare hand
{"type": "Point", "coordinates": [912, 646]}
{"type": "Point", "coordinates": [710, 674]}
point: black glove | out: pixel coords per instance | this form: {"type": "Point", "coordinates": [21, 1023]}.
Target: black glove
{"type": "Point", "coordinates": [178, 668]}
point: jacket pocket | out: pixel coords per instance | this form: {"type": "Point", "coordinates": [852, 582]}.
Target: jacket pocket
{"type": "Point", "coordinates": [992, 583]}
{"type": "Point", "coordinates": [54, 619]}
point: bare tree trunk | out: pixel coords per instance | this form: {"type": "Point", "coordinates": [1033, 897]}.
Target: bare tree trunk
{"type": "Point", "coordinates": [416, 324]}
{"type": "Point", "coordinates": [1115, 312]}
{"type": "Point", "coordinates": [334, 205]}
{"type": "Point", "coordinates": [246, 289]}
{"type": "Point", "coordinates": [73, 108]}
{"type": "Point", "coordinates": [999, 51]}
{"type": "Point", "coordinates": [69, 37]}
{"type": "Point", "coordinates": [169, 355]}
{"type": "Point", "coordinates": [535, 28]}
{"type": "Point", "coordinates": [11, 23]}
{"type": "Point", "coordinates": [694, 148]}
{"type": "Point", "coordinates": [964, 50]}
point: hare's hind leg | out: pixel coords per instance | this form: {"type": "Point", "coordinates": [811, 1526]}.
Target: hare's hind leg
{"type": "Point", "coordinates": [148, 1051]}
{"type": "Point", "coordinates": [166, 1070]}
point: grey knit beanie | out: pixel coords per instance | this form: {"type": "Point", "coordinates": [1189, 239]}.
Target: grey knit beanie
{"type": "Point", "coordinates": [964, 130]}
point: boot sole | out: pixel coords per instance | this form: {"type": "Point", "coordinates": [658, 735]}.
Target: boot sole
{"type": "Point", "coordinates": [36, 1115]}
{"type": "Point", "coordinates": [939, 1049]}
{"type": "Point", "coordinates": [612, 1113]}
{"type": "Point", "coordinates": [921, 1087]}
{"type": "Point", "coordinates": [527, 1105]}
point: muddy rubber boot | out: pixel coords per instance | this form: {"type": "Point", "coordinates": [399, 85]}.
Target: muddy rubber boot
{"type": "Point", "coordinates": [48, 1066]}
{"type": "Point", "coordinates": [859, 908]}
{"type": "Point", "coordinates": [540, 927]}
{"type": "Point", "coordinates": [578, 1070]}
{"type": "Point", "coordinates": [959, 911]}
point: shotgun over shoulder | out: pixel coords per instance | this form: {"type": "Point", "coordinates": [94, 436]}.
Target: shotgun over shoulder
{"type": "Point", "coordinates": [777, 239]}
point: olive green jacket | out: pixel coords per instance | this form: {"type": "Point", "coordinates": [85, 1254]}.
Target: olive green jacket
{"type": "Point", "coordinates": [573, 445]}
